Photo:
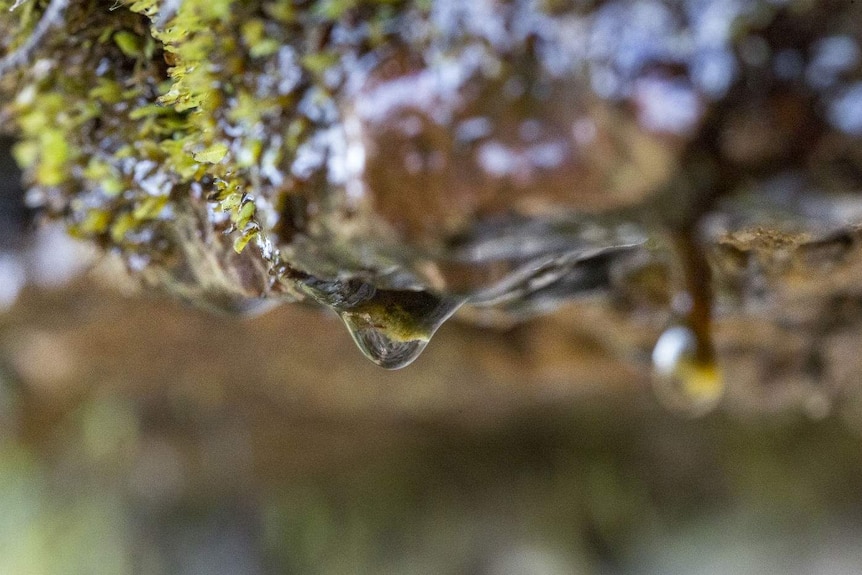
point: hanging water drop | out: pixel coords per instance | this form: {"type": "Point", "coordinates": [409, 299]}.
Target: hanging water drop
{"type": "Point", "coordinates": [685, 375]}
{"type": "Point", "coordinates": [377, 345]}
{"type": "Point", "coordinates": [392, 328]}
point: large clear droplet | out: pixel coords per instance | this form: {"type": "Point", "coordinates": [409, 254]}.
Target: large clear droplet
{"type": "Point", "coordinates": [376, 345]}
{"type": "Point", "coordinates": [392, 328]}
{"type": "Point", "coordinates": [685, 378]}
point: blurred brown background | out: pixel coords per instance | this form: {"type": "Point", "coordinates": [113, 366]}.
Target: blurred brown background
{"type": "Point", "coordinates": [138, 436]}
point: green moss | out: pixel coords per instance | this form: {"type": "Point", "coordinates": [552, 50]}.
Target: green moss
{"type": "Point", "coordinates": [122, 120]}
{"type": "Point", "coordinates": [213, 154]}
{"type": "Point", "coordinates": [130, 44]}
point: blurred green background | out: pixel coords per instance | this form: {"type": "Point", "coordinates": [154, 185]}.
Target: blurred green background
{"type": "Point", "coordinates": [137, 436]}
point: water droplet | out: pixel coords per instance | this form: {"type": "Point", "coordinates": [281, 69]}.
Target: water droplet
{"type": "Point", "coordinates": [392, 328]}
{"type": "Point", "coordinates": [685, 378]}
{"type": "Point", "coordinates": [376, 345]}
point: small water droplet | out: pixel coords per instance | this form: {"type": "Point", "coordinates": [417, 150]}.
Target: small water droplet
{"type": "Point", "coordinates": [392, 328]}
{"type": "Point", "coordinates": [376, 345]}
{"type": "Point", "coordinates": [683, 379]}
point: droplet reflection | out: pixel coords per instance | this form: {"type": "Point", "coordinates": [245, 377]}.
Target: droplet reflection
{"type": "Point", "coordinates": [390, 327]}
{"type": "Point", "coordinates": [393, 327]}
{"type": "Point", "coordinates": [376, 344]}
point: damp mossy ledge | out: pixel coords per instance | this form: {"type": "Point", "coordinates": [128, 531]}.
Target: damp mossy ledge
{"type": "Point", "coordinates": [125, 108]}
{"type": "Point", "coordinates": [179, 134]}
{"type": "Point", "coordinates": [396, 160]}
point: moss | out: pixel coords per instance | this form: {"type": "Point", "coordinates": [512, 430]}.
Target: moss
{"type": "Point", "coordinates": [128, 107]}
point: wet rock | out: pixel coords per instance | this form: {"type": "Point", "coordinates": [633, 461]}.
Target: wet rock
{"type": "Point", "coordinates": [395, 161]}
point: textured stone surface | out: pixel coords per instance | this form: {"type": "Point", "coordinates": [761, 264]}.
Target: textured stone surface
{"type": "Point", "coordinates": [508, 156]}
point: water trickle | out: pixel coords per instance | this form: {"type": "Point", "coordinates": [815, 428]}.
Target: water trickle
{"type": "Point", "coordinates": [390, 327]}
{"type": "Point", "coordinates": [685, 376]}
{"type": "Point", "coordinates": [685, 373]}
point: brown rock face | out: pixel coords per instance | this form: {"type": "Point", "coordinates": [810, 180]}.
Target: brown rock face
{"type": "Point", "coordinates": [644, 113]}
{"type": "Point", "coordinates": [395, 163]}
{"type": "Point", "coordinates": [449, 147]}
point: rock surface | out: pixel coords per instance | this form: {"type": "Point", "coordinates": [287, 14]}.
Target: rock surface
{"type": "Point", "coordinates": [680, 159]}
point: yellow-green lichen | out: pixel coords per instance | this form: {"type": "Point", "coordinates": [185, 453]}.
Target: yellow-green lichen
{"type": "Point", "coordinates": [150, 98]}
